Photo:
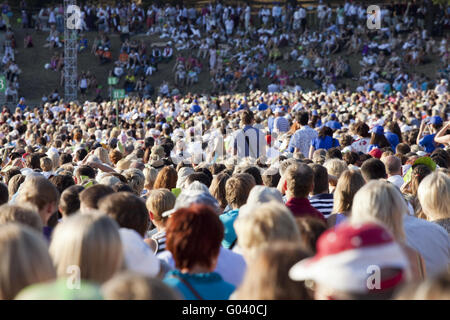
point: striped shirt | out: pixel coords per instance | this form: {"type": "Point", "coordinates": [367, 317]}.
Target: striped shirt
{"type": "Point", "coordinates": [160, 239]}
{"type": "Point", "coordinates": [323, 202]}
{"type": "Point", "coordinates": [281, 124]}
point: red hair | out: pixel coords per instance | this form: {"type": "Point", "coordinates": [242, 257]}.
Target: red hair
{"type": "Point", "coordinates": [194, 236]}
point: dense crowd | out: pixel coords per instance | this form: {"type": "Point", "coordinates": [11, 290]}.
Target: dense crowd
{"type": "Point", "coordinates": [286, 194]}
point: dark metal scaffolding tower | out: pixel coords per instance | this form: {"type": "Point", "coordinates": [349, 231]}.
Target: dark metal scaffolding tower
{"type": "Point", "coordinates": [70, 52]}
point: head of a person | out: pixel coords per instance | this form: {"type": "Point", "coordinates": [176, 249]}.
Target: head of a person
{"type": "Point", "coordinates": [133, 286]}
{"type": "Point", "coordinates": [348, 185]}
{"type": "Point", "coordinates": [150, 175]}
{"type": "Point", "coordinates": [362, 130]}
{"type": "Point", "coordinates": [24, 214]}
{"type": "Point", "coordinates": [434, 195]}
{"type": "Point", "coordinates": [310, 230]}
{"type": "Point", "coordinates": [200, 177]}
{"type": "Point", "coordinates": [325, 131]}
{"type": "Point", "coordinates": [419, 172]}
{"type": "Point", "coordinates": [70, 200]}
{"type": "Point", "coordinates": [41, 193]}
{"type": "Point", "coordinates": [25, 259]}
{"type": "Point", "coordinates": [14, 184]}
{"type": "Point", "coordinates": [393, 165]}
{"type": "Point", "coordinates": [271, 177]}
{"type": "Point", "coordinates": [90, 197]}
{"type": "Point", "coordinates": [380, 202]}
{"type": "Point", "coordinates": [166, 178]}
{"type": "Point", "coordinates": [343, 267]}
{"type": "Point", "coordinates": [373, 169]}
{"type": "Point", "coordinates": [320, 179]}
{"type": "Point", "coordinates": [46, 164]}
{"type": "Point", "coordinates": [267, 277]}
{"type": "Point", "coordinates": [127, 209]}
{"type": "Point", "coordinates": [4, 193]}
{"type": "Point", "coordinates": [62, 181]}
{"type": "Point", "coordinates": [90, 242]}
{"type": "Point", "coordinates": [302, 118]}
{"type": "Point", "coordinates": [194, 236]}
{"type": "Point", "coordinates": [269, 222]}
{"type": "Point", "coordinates": [299, 180]}
{"type": "Point", "coordinates": [247, 117]}
{"type": "Point", "coordinates": [335, 167]}
{"type": "Point", "coordinates": [135, 179]}
{"type": "Point", "coordinates": [115, 156]}
{"type": "Point", "coordinates": [237, 189]}
{"type": "Point", "coordinates": [403, 148]}
{"type": "Point", "coordinates": [159, 201]}
{"type": "Point", "coordinates": [217, 188]}
{"type": "Point", "coordinates": [253, 171]}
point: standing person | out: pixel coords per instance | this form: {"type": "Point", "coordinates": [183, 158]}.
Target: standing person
{"type": "Point", "coordinates": [324, 140]}
{"type": "Point", "coordinates": [321, 198]}
{"type": "Point", "coordinates": [302, 138]}
{"type": "Point", "coordinates": [193, 237]}
{"type": "Point", "coordinates": [280, 124]}
{"type": "Point", "coordinates": [394, 170]}
{"type": "Point", "coordinates": [249, 141]}
{"type": "Point", "coordinates": [434, 125]}
{"type": "Point", "coordinates": [299, 184]}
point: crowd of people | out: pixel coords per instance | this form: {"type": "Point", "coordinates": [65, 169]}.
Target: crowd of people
{"type": "Point", "coordinates": [234, 197]}
{"type": "Point", "coordinates": [285, 194]}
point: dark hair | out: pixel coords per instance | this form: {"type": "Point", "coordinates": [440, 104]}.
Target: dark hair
{"type": "Point", "coordinates": [70, 200]}
{"type": "Point", "coordinates": [403, 148]}
{"type": "Point", "coordinates": [362, 130]}
{"type": "Point", "coordinates": [122, 187]}
{"type": "Point", "coordinates": [333, 153]}
{"type": "Point", "coordinates": [302, 118]}
{"type": "Point", "coordinates": [254, 172]}
{"type": "Point", "coordinates": [11, 173]}
{"type": "Point", "coordinates": [86, 171]}
{"type": "Point", "coordinates": [320, 179]}
{"type": "Point", "coordinates": [207, 173]}
{"type": "Point", "coordinates": [350, 157]}
{"type": "Point", "coordinates": [380, 140]}
{"type": "Point", "coordinates": [325, 131]}
{"type": "Point", "coordinates": [4, 194]}
{"type": "Point", "coordinates": [127, 209]}
{"type": "Point", "coordinates": [271, 180]}
{"type": "Point", "coordinates": [194, 236]}
{"type": "Point", "coordinates": [310, 230]}
{"type": "Point", "coordinates": [217, 168]}
{"type": "Point", "coordinates": [65, 158]}
{"type": "Point", "coordinates": [90, 197]}
{"type": "Point", "coordinates": [33, 161]}
{"type": "Point", "coordinates": [247, 117]}
{"type": "Point", "coordinates": [373, 169]}
{"type": "Point", "coordinates": [200, 177]}
{"type": "Point", "coordinates": [81, 154]}
{"type": "Point", "coordinates": [299, 180]}
{"type": "Point", "coordinates": [62, 182]}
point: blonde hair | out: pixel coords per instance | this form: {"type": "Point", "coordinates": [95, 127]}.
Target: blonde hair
{"type": "Point", "coordinates": [38, 191]}
{"type": "Point", "coordinates": [160, 201]}
{"type": "Point", "coordinates": [434, 196]}
{"type": "Point", "coordinates": [46, 164]}
{"type": "Point", "coordinates": [91, 242]}
{"type": "Point", "coordinates": [24, 214]}
{"type": "Point", "coordinates": [150, 175]}
{"type": "Point", "coordinates": [103, 155]}
{"type": "Point", "coordinates": [335, 167]}
{"type": "Point", "coordinates": [123, 164]}
{"type": "Point", "coordinates": [348, 185]}
{"type": "Point", "coordinates": [135, 179]}
{"type": "Point", "coordinates": [132, 286]}
{"type": "Point", "coordinates": [380, 202]}
{"type": "Point", "coordinates": [267, 223]}
{"type": "Point", "coordinates": [24, 259]}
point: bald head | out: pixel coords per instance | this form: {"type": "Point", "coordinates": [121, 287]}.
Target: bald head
{"type": "Point", "coordinates": [393, 165]}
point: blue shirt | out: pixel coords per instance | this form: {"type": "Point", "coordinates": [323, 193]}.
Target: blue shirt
{"type": "Point", "coordinates": [262, 106]}
{"type": "Point", "coordinates": [326, 143]}
{"type": "Point", "coordinates": [428, 143]}
{"type": "Point", "coordinates": [195, 108]}
{"type": "Point", "coordinates": [392, 138]}
{"type": "Point", "coordinates": [333, 124]}
{"type": "Point", "coordinates": [21, 106]}
{"type": "Point", "coordinates": [210, 286]}
{"type": "Point", "coordinates": [372, 146]}
{"type": "Point", "coordinates": [228, 219]}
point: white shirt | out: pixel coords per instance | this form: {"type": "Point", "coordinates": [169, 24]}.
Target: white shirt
{"type": "Point", "coordinates": [431, 241]}
{"type": "Point", "coordinates": [230, 265]}
{"type": "Point", "coordinates": [396, 180]}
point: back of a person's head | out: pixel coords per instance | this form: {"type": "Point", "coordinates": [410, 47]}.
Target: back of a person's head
{"type": "Point", "coordinates": [135, 179]}
{"type": "Point", "coordinates": [38, 191]}
{"type": "Point", "coordinates": [128, 210]}
{"type": "Point", "coordinates": [380, 202]}
{"type": "Point", "coordinates": [267, 277]}
{"type": "Point", "coordinates": [271, 177]}
{"type": "Point", "coordinates": [70, 200]}
{"type": "Point", "coordinates": [24, 214]}
{"type": "Point", "coordinates": [320, 179]}
{"type": "Point", "coordinates": [335, 167]}
{"type": "Point", "coordinates": [237, 189]}
{"type": "Point", "coordinates": [4, 193]}
{"type": "Point", "coordinates": [133, 286]}
{"type": "Point", "coordinates": [302, 118]}
{"type": "Point", "coordinates": [347, 186]}
{"type": "Point", "coordinates": [62, 182]}
{"type": "Point", "coordinates": [393, 165]}
{"type": "Point", "coordinates": [217, 188]}
{"type": "Point", "coordinates": [159, 201]}
{"type": "Point", "coordinates": [268, 222]}
{"type": "Point", "coordinates": [90, 197]}
{"type": "Point", "coordinates": [310, 229]}
{"type": "Point", "coordinates": [254, 172]}
{"type": "Point", "coordinates": [200, 177]}
{"type": "Point", "coordinates": [166, 178]}
{"type": "Point", "coordinates": [403, 148]}
{"type": "Point", "coordinates": [90, 242]}
{"type": "Point", "coordinates": [434, 195]}
{"type": "Point", "coordinates": [25, 259]}
{"type": "Point", "coordinates": [299, 180]}
{"type": "Point", "coordinates": [373, 169]}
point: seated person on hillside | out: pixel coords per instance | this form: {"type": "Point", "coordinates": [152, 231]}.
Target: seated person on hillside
{"type": "Point", "coordinates": [118, 70]}
{"type": "Point", "coordinates": [167, 54]}
{"type": "Point", "coordinates": [106, 56]}
{"type": "Point", "coordinates": [11, 93]}
{"type": "Point", "coordinates": [82, 44]}
{"type": "Point", "coordinates": [28, 41]}
{"type": "Point", "coordinates": [156, 53]}
{"type": "Point", "coordinates": [53, 39]}
{"type": "Point", "coordinates": [99, 52]}
{"type": "Point", "coordinates": [130, 82]}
